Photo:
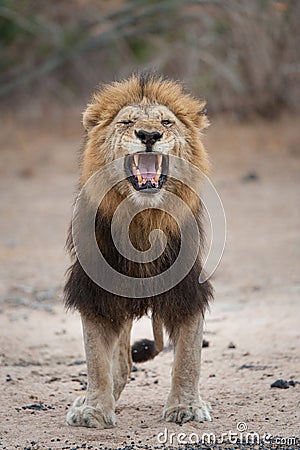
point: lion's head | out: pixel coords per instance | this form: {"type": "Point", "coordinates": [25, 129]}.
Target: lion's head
{"type": "Point", "coordinates": [145, 119]}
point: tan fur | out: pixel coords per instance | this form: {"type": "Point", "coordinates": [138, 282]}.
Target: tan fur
{"type": "Point", "coordinates": [184, 403]}
{"type": "Point", "coordinates": [107, 139]}
{"type": "Point", "coordinates": [107, 352]}
{"type": "Point", "coordinates": [97, 409]}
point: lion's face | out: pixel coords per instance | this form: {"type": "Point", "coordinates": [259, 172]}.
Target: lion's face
{"type": "Point", "coordinates": [146, 135]}
{"type": "Point", "coordinates": [149, 128]}
{"type": "Point", "coordinates": [145, 124]}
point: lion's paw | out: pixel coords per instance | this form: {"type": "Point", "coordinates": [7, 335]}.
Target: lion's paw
{"type": "Point", "coordinates": [182, 413]}
{"type": "Point", "coordinates": [82, 415]}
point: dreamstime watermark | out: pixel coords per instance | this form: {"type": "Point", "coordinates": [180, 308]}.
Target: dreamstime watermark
{"type": "Point", "coordinates": [100, 271]}
{"type": "Point", "coordinates": [240, 436]}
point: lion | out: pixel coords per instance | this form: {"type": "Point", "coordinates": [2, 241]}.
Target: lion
{"type": "Point", "coordinates": [144, 119]}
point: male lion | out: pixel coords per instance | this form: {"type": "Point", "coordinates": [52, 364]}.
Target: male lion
{"type": "Point", "coordinates": [144, 120]}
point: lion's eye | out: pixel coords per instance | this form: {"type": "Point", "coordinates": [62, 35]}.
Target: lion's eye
{"type": "Point", "coordinates": [166, 123]}
{"type": "Point", "coordinates": [126, 122]}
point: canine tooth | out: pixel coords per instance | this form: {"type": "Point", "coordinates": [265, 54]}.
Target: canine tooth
{"type": "Point", "coordinates": [139, 176]}
{"type": "Point", "coordinates": [158, 162]}
{"type": "Point", "coordinates": [136, 160]}
{"type": "Point", "coordinates": [156, 178]}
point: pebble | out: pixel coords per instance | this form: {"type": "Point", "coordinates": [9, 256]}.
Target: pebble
{"type": "Point", "coordinates": [250, 176]}
{"type": "Point", "coordinates": [281, 384]}
{"type": "Point", "coordinates": [284, 384]}
{"type": "Point", "coordinates": [205, 343]}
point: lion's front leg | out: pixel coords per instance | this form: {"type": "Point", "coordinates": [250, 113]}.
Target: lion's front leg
{"type": "Point", "coordinates": [122, 362]}
{"type": "Point", "coordinates": [184, 403]}
{"type": "Point", "coordinates": [97, 408]}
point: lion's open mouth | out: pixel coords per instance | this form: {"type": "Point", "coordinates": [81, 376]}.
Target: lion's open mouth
{"type": "Point", "coordinates": [147, 172]}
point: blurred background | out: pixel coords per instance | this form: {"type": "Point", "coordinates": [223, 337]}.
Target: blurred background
{"type": "Point", "coordinates": [243, 56]}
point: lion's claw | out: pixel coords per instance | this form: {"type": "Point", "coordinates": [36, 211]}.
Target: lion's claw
{"type": "Point", "coordinates": [84, 415]}
{"type": "Point", "coordinates": [182, 413]}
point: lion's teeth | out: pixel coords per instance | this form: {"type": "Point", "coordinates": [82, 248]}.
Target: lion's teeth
{"type": "Point", "coordinates": [139, 176]}
{"type": "Point", "coordinates": [136, 160]}
{"type": "Point", "coordinates": [156, 178]}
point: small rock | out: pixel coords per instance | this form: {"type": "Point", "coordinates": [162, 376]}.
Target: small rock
{"type": "Point", "coordinates": [77, 362]}
{"type": "Point", "coordinates": [231, 345]}
{"type": "Point", "coordinates": [250, 176]}
{"type": "Point", "coordinates": [205, 343]}
{"type": "Point", "coordinates": [281, 384]}
{"type": "Point", "coordinates": [38, 407]}
{"type": "Point", "coordinates": [83, 385]}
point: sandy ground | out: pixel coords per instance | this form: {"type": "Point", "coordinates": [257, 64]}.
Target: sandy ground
{"type": "Point", "coordinates": [256, 305]}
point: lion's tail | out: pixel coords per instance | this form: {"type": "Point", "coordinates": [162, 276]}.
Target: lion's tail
{"type": "Point", "coordinates": [146, 349]}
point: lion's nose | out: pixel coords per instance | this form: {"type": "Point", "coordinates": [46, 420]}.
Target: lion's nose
{"type": "Point", "coordinates": [148, 138]}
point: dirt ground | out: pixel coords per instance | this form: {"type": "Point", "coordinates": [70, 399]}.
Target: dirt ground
{"type": "Point", "coordinates": [252, 328]}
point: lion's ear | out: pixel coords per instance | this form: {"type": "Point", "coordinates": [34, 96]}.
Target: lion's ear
{"type": "Point", "coordinates": [202, 119]}
{"type": "Point", "coordinates": [90, 117]}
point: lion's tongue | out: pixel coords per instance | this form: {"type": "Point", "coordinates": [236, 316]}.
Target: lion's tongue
{"type": "Point", "coordinates": [147, 166]}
